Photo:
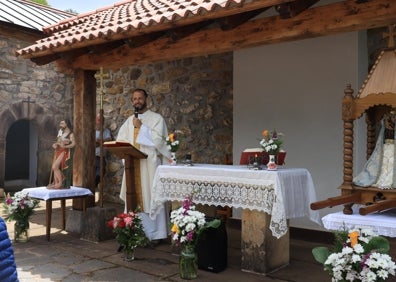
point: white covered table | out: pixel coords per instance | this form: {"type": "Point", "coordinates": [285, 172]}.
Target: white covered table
{"type": "Point", "coordinates": [382, 223]}
{"type": "Point", "coordinates": [50, 195]}
{"type": "Point", "coordinates": [267, 198]}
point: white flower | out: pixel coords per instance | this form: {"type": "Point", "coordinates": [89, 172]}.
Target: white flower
{"type": "Point", "coordinates": [361, 262]}
{"type": "Point", "coordinates": [358, 248]}
{"type": "Point", "coordinates": [188, 222]}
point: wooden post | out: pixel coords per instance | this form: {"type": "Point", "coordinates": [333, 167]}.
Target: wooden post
{"type": "Point", "coordinates": [101, 76]}
{"type": "Point", "coordinates": [84, 118]}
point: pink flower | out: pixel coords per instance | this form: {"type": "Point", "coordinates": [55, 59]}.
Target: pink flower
{"type": "Point", "coordinates": [129, 221]}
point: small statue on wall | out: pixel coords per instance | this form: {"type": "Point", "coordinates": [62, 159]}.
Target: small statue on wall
{"type": "Point", "coordinates": [379, 170]}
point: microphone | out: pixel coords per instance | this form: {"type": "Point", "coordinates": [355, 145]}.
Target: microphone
{"type": "Point", "coordinates": [136, 113]}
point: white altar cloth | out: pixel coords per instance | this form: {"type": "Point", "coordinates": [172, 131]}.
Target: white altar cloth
{"type": "Point", "coordinates": [284, 194]}
{"type": "Point", "coordinates": [45, 194]}
{"type": "Point", "coordinates": [382, 223]}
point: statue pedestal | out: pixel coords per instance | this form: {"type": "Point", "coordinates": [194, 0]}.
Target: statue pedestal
{"type": "Point", "coordinates": [94, 224]}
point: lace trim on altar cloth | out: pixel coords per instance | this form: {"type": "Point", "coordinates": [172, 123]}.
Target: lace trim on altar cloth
{"type": "Point", "coordinates": [237, 193]}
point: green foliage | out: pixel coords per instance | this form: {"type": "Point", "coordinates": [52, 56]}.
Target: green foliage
{"type": "Point", "coordinates": [129, 230]}
{"type": "Point", "coordinates": [42, 2]}
{"type": "Point", "coordinates": [321, 254]}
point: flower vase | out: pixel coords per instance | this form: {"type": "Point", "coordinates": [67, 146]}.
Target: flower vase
{"type": "Point", "coordinates": [271, 163]}
{"type": "Point", "coordinates": [188, 263]}
{"type": "Point", "coordinates": [129, 254]}
{"type": "Point", "coordinates": [21, 230]}
{"type": "Point", "coordinates": [173, 160]}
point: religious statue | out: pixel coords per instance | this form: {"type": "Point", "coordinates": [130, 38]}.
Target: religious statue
{"type": "Point", "coordinates": [62, 165]}
{"type": "Point", "coordinates": [379, 170]}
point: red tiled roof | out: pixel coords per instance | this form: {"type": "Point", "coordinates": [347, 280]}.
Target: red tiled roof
{"type": "Point", "coordinates": [111, 22]}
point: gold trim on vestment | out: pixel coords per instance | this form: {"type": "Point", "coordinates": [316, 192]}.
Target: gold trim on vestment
{"type": "Point", "coordinates": [137, 176]}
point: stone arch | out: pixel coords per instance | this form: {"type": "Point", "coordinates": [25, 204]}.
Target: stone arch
{"type": "Point", "coordinates": [45, 122]}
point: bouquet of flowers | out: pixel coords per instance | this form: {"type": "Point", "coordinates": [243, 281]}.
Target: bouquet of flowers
{"type": "Point", "coordinates": [129, 230]}
{"type": "Point", "coordinates": [19, 207]}
{"type": "Point", "coordinates": [188, 224]}
{"type": "Point", "coordinates": [173, 140]}
{"type": "Point", "coordinates": [358, 255]}
{"type": "Point", "coordinates": [271, 142]}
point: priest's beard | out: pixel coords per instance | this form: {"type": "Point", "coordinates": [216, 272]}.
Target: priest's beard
{"type": "Point", "coordinates": [142, 107]}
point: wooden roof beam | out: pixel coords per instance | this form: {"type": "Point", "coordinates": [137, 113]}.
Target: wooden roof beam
{"type": "Point", "coordinates": [184, 21]}
{"type": "Point", "coordinates": [292, 9]}
{"type": "Point", "coordinates": [141, 40]}
{"type": "Point", "coordinates": [233, 21]}
{"type": "Point", "coordinates": [182, 32]}
{"type": "Point", "coordinates": [343, 16]}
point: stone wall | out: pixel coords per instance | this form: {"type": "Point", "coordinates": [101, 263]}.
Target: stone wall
{"type": "Point", "coordinates": [193, 95]}
{"type": "Point", "coordinates": [40, 94]}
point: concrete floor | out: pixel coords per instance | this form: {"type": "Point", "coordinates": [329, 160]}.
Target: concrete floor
{"type": "Point", "coordinates": [68, 258]}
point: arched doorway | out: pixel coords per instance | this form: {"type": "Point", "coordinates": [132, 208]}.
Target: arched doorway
{"type": "Point", "coordinates": [21, 155]}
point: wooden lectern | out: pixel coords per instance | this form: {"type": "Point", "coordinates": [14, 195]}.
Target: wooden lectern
{"type": "Point", "coordinates": [126, 151]}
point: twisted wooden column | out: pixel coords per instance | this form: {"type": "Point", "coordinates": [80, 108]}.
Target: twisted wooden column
{"type": "Point", "coordinates": [347, 105]}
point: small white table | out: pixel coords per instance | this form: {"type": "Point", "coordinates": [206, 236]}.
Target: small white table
{"type": "Point", "coordinates": [268, 199]}
{"type": "Point", "coordinates": [382, 223]}
{"type": "Point", "coordinates": [50, 195]}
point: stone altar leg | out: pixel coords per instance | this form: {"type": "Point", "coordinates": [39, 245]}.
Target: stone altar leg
{"type": "Point", "coordinates": [262, 252]}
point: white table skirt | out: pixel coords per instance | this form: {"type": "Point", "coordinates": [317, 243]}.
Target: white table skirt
{"type": "Point", "coordinates": [284, 194]}
{"type": "Point", "coordinates": [382, 223]}
{"type": "Point", "coordinates": [45, 194]}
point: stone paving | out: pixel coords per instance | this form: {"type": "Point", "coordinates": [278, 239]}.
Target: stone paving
{"type": "Point", "coordinates": [68, 258]}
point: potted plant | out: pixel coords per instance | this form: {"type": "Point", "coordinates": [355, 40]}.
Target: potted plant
{"type": "Point", "coordinates": [187, 225]}
{"type": "Point", "coordinates": [19, 208]}
{"type": "Point", "coordinates": [130, 233]}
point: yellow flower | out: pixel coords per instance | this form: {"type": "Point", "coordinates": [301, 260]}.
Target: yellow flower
{"type": "Point", "coordinates": [171, 137]}
{"type": "Point", "coordinates": [353, 236]}
{"type": "Point", "coordinates": [265, 134]}
{"type": "Point", "coordinates": [175, 229]}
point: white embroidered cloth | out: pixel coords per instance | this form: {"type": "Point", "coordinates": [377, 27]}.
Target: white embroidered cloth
{"type": "Point", "coordinates": [382, 223]}
{"type": "Point", "coordinates": [45, 194]}
{"type": "Point", "coordinates": [284, 194]}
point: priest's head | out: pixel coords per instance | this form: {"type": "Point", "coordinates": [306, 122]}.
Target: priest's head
{"type": "Point", "coordinates": [139, 100]}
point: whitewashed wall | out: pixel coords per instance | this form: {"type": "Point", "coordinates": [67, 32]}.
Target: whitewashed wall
{"type": "Point", "coordinates": [297, 88]}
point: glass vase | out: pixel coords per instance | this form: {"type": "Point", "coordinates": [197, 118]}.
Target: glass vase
{"type": "Point", "coordinates": [21, 230]}
{"type": "Point", "coordinates": [271, 163]}
{"type": "Point", "coordinates": [188, 263]}
{"type": "Point", "coordinates": [129, 254]}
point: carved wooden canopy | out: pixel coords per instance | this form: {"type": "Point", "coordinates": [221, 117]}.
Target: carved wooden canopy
{"type": "Point", "coordinates": [142, 31]}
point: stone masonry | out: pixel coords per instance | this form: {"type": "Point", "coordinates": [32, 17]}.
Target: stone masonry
{"type": "Point", "coordinates": [194, 95]}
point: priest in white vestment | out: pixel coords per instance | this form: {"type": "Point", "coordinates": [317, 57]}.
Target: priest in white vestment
{"type": "Point", "coordinates": [150, 140]}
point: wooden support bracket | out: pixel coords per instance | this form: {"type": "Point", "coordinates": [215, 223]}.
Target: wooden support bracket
{"type": "Point", "coordinates": [378, 206]}
{"type": "Point", "coordinates": [335, 201]}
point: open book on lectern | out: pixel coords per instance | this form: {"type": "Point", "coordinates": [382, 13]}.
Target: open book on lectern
{"type": "Point", "coordinates": [114, 145]}
{"type": "Point", "coordinates": [117, 144]}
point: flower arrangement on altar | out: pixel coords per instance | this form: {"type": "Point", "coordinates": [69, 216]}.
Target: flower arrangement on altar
{"type": "Point", "coordinates": [129, 230]}
{"type": "Point", "coordinates": [271, 142]}
{"type": "Point", "coordinates": [20, 206]}
{"type": "Point", "coordinates": [357, 255]}
{"type": "Point", "coordinates": [173, 140]}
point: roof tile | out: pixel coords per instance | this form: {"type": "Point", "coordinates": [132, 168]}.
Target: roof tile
{"type": "Point", "coordinates": [120, 17]}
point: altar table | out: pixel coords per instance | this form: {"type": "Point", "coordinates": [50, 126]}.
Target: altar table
{"type": "Point", "coordinates": [282, 194]}
{"type": "Point", "coordinates": [50, 195]}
